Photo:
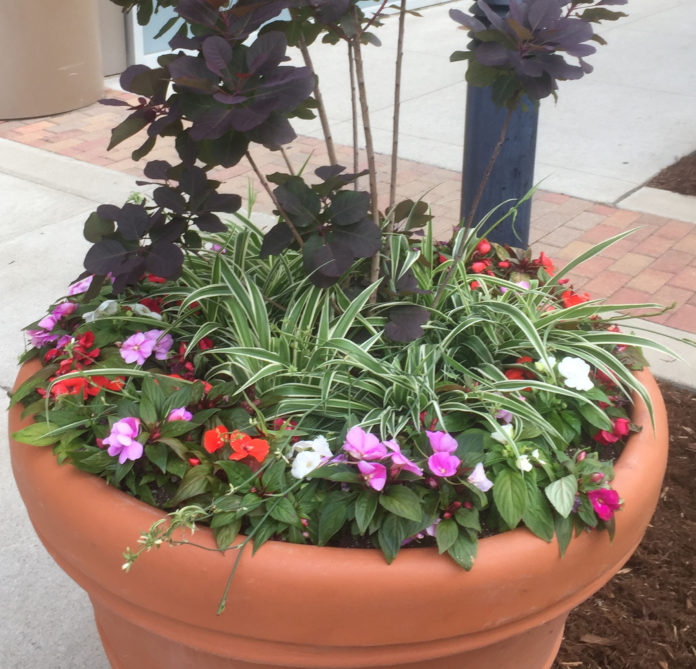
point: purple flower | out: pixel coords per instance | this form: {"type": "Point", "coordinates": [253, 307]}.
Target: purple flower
{"type": "Point", "coordinates": [137, 348]}
{"type": "Point", "coordinates": [479, 479]}
{"type": "Point", "coordinates": [504, 415]}
{"type": "Point", "coordinates": [441, 442]}
{"type": "Point", "coordinates": [162, 343]}
{"type": "Point", "coordinates": [443, 464]}
{"type": "Point", "coordinates": [374, 473]}
{"type": "Point", "coordinates": [400, 461]}
{"type": "Point", "coordinates": [121, 440]}
{"type": "Point", "coordinates": [40, 337]}
{"type": "Point", "coordinates": [80, 286]}
{"type": "Point", "coordinates": [64, 309]}
{"type": "Point", "coordinates": [48, 322]}
{"type": "Point", "coordinates": [180, 414]}
{"type": "Point", "coordinates": [363, 445]}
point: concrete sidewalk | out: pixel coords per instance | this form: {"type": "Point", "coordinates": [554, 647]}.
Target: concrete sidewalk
{"type": "Point", "coordinates": [607, 135]}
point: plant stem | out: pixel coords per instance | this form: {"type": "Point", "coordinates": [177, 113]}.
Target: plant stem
{"type": "Point", "coordinates": [354, 111]}
{"type": "Point", "coordinates": [397, 110]}
{"type": "Point", "coordinates": [474, 206]}
{"type": "Point", "coordinates": [369, 147]}
{"type": "Point", "coordinates": [287, 161]}
{"type": "Point", "coordinates": [323, 117]}
{"type": "Point", "coordinates": [268, 190]}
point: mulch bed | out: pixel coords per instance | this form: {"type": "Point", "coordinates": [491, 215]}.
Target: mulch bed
{"type": "Point", "coordinates": [678, 178]}
{"type": "Point", "coordinates": [645, 618]}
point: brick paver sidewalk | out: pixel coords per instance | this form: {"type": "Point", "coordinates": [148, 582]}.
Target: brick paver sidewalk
{"type": "Point", "coordinates": [655, 264]}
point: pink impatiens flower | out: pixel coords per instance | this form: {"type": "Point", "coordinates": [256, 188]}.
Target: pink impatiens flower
{"type": "Point", "coordinates": [374, 474]}
{"type": "Point", "coordinates": [122, 440]}
{"type": "Point", "coordinates": [400, 461]}
{"type": "Point", "coordinates": [180, 414]}
{"type": "Point", "coordinates": [479, 479]}
{"type": "Point", "coordinates": [363, 445]}
{"type": "Point", "coordinates": [162, 343]}
{"type": "Point", "coordinates": [604, 501]}
{"type": "Point", "coordinates": [443, 464]}
{"type": "Point", "coordinates": [441, 442]}
{"type": "Point", "coordinates": [137, 348]}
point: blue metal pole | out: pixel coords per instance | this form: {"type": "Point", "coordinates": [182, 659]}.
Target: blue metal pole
{"type": "Point", "coordinates": [512, 175]}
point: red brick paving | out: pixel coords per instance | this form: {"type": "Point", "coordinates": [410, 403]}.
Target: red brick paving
{"type": "Point", "coordinates": [655, 264]}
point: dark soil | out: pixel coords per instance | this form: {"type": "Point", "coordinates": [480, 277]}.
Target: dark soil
{"type": "Point", "coordinates": [645, 618]}
{"type": "Point", "coordinates": [678, 178]}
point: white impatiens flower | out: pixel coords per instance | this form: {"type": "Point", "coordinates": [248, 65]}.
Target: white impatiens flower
{"type": "Point", "coordinates": [503, 434]}
{"type": "Point", "coordinates": [310, 454]}
{"type": "Point", "coordinates": [141, 310]}
{"type": "Point", "coordinates": [106, 308]}
{"type": "Point", "coordinates": [304, 463]}
{"type": "Point", "coordinates": [576, 373]}
{"type": "Point", "coordinates": [523, 463]}
{"type": "Point", "coordinates": [537, 456]}
{"type": "Point", "coordinates": [318, 445]}
{"type": "Point", "coordinates": [542, 367]}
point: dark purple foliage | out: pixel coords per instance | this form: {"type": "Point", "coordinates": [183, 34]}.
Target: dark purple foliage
{"type": "Point", "coordinates": [530, 43]}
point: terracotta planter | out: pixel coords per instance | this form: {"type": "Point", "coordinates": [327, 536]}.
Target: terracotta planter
{"type": "Point", "coordinates": [303, 606]}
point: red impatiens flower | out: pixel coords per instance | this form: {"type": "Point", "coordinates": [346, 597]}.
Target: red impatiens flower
{"type": "Point", "coordinates": [152, 303]}
{"type": "Point", "coordinates": [206, 344]}
{"type": "Point", "coordinates": [571, 298]}
{"type": "Point", "coordinates": [242, 444]}
{"type": "Point", "coordinates": [620, 428]}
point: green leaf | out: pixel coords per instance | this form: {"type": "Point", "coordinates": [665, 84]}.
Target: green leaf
{"type": "Point", "coordinates": [538, 516]}
{"type": "Point", "coordinates": [561, 493]}
{"type": "Point", "coordinates": [332, 517]}
{"type": "Point", "coordinates": [468, 518]}
{"type": "Point", "coordinates": [564, 532]}
{"type": "Point", "coordinates": [446, 534]}
{"type": "Point", "coordinates": [238, 474]}
{"type": "Point", "coordinates": [282, 510]}
{"type": "Point", "coordinates": [391, 536]}
{"type": "Point", "coordinates": [158, 454]}
{"type": "Point", "coordinates": [365, 507]}
{"type": "Point", "coordinates": [595, 416]}
{"type": "Point", "coordinates": [96, 228]}
{"type": "Point", "coordinates": [510, 495]}
{"type": "Point", "coordinates": [226, 534]}
{"type": "Point", "coordinates": [37, 434]}
{"type": "Point", "coordinates": [587, 513]}
{"type": "Point", "coordinates": [464, 550]}
{"type": "Point", "coordinates": [195, 482]}
{"type": "Point", "coordinates": [273, 479]}
{"type": "Point", "coordinates": [403, 502]}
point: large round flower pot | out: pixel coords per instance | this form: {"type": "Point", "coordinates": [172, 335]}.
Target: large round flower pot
{"type": "Point", "coordinates": [304, 606]}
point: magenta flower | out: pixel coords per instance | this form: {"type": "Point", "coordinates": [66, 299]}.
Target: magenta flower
{"type": "Point", "coordinates": [137, 348]}
{"type": "Point", "coordinates": [121, 440]}
{"type": "Point", "coordinates": [363, 445]}
{"type": "Point", "coordinates": [400, 461]}
{"type": "Point", "coordinates": [604, 501]}
{"type": "Point", "coordinates": [48, 322]}
{"type": "Point", "coordinates": [443, 464]}
{"type": "Point", "coordinates": [479, 479]}
{"type": "Point", "coordinates": [180, 414]}
{"type": "Point", "coordinates": [41, 337]}
{"type": "Point", "coordinates": [441, 442]}
{"type": "Point", "coordinates": [162, 343]}
{"type": "Point", "coordinates": [374, 474]}
{"type": "Point", "coordinates": [64, 309]}
{"type": "Point", "coordinates": [80, 286]}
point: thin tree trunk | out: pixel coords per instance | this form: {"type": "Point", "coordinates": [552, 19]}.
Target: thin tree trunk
{"type": "Point", "coordinates": [323, 117]}
{"type": "Point", "coordinates": [354, 111]}
{"type": "Point", "coordinates": [397, 110]}
{"type": "Point", "coordinates": [268, 190]}
{"type": "Point", "coordinates": [369, 147]}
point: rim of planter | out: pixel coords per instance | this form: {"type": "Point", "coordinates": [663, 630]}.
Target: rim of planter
{"type": "Point", "coordinates": [289, 597]}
